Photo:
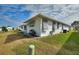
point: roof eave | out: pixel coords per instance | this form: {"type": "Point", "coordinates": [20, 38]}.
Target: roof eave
{"type": "Point", "coordinates": [46, 17]}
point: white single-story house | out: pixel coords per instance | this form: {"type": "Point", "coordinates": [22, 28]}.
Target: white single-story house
{"type": "Point", "coordinates": [0, 28]}
{"type": "Point", "coordinates": [43, 25]}
{"type": "Point", "coordinates": [9, 28]}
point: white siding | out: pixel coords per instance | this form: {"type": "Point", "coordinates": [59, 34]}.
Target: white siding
{"type": "Point", "coordinates": [65, 27]}
{"type": "Point", "coordinates": [9, 28]}
{"type": "Point", "coordinates": [47, 31]}
{"type": "Point", "coordinates": [58, 30]}
{"type": "Point", "coordinates": [21, 28]}
{"type": "Point", "coordinates": [36, 26]}
{"type": "Point", "coordinates": [0, 29]}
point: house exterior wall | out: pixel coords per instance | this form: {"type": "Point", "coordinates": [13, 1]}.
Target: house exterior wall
{"type": "Point", "coordinates": [48, 25]}
{"type": "Point", "coordinates": [9, 28]}
{"type": "Point", "coordinates": [37, 26]}
{"type": "Point", "coordinates": [23, 29]}
{"type": "Point", "coordinates": [0, 29]}
{"type": "Point", "coordinates": [65, 27]}
{"type": "Point", "coordinates": [56, 30]}
{"type": "Point", "coordinates": [46, 31]}
{"type": "Point", "coordinates": [20, 28]}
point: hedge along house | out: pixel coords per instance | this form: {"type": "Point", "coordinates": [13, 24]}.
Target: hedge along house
{"type": "Point", "coordinates": [43, 25]}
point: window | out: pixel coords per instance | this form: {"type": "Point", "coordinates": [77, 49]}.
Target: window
{"type": "Point", "coordinates": [62, 26]}
{"type": "Point", "coordinates": [45, 20]}
{"type": "Point", "coordinates": [53, 28]}
{"type": "Point", "coordinates": [21, 27]}
{"type": "Point", "coordinates": [25, 27]}
{"type": "Point", "coordinates": [44, 25]}
{"type": "Point", "coordinates": [54, 22]}
{"type": "Point", "coordinates": [57, 25]}
{"type": "Point", "coordinates": [32, 23]}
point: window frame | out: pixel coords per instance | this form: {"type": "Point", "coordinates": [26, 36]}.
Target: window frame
{"type": "Point", "coordinates": [32, 23]}
{"type": "Point", "coordinates": [25, 27]}
{"type": "Point", "coordinates": [58, 25]}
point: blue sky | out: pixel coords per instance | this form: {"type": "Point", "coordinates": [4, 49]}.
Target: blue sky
{"type": "Point", "coordinates": [14, 15]}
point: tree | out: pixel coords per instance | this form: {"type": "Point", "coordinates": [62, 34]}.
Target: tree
{"type": "Point", "coordinates": [12, 28]}
{"type": "Point", "coordinates": [4, 29]}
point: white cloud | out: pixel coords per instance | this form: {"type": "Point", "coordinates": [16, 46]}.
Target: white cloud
{"type": "Point", "coordinates": [61, 12]}
{"type": "Point", "coordinates": [7, 18]}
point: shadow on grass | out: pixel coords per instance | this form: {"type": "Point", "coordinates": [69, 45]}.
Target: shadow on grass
{"type": "Point", "coordinates": [71, 46]}
{"type": "Point", "coordinates": [14, 37]}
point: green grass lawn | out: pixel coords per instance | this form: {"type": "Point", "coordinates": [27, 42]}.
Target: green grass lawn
{"type": "Point", "coordinates": [63, 43]}
{"type": "Point", "coordinates": [72, 45]}
{"type": "Point", "coordinates": [46, 45]}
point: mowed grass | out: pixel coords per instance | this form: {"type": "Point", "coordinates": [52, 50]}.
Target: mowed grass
{"type": "Point", "coordinates": [3, 36]}
{"type": "Point", "coordinates": [44, 46]}
{"type": "Point", "coordinates": [71, 47]}
{"type": "Point", "coordinates": [17, 44]}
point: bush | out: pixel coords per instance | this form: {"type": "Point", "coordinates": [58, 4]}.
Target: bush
{"type": "Point", "coordinates": [4, 29]}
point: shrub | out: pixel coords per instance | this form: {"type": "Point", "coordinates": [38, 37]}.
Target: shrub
{"type": "Point", "coordinates": [4, 29]}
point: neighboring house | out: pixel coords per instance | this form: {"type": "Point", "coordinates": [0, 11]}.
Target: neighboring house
{"type": "Point", "coordinates": [75, 25]}
{"type": "Point", "coordinates": [9, 28]}
{"type": "Point", "coordinates": [43, 25]}
{"type": "Point", "coordinates": [0, 28]}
